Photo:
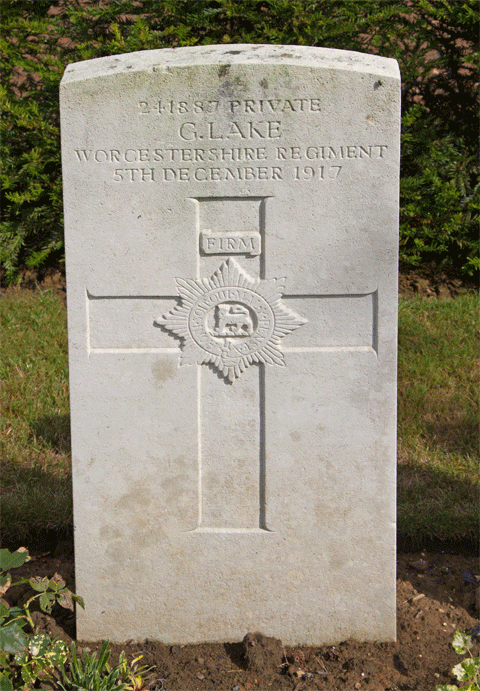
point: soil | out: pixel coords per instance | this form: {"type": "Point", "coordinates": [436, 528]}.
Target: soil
{"type": "Point", "coordinates": [437, 593]}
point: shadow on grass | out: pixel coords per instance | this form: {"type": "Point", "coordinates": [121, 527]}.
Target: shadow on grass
{"type": "Point", "coordinates": [435, 509]}
{"type": "Point", "coordinates": [54, 431]}
{"type": "Point", "coordinates": [452, 435]}
{"type": "Point", "coordinates": [36, 501]}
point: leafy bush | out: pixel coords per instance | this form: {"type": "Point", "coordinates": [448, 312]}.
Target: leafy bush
{"type": "Point", "coordinates": [435, 42]}
{"type": "Point", "coordinates": [32, 227]}
{"type": "Point", "coordinates": [439, 195]}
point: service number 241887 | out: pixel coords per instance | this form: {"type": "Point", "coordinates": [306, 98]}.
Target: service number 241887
{"type": "Point", "coordinates": [180, 107]}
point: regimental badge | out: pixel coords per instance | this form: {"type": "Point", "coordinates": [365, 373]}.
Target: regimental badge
{"type": "Point", "coordinates": [231, 320]}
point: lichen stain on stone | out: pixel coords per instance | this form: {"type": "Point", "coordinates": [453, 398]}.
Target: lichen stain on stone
{"type": "Point", "coordinates": [139, 494]}
{"type": "Point", "coordinates": [223, 70]}
{"type": "Point", "coordinates": [174, 484]}
{"type": "Point", "coordinates": [143, 525]}
{"type": "Point", "coordinates": [163, 370]}
{"type": "Point", "coordinates": [110, 533]}
{"type": "Point", "coordinates": [231, 88]}
{"type": "Point", "coordinates": [327, 512]}
{"type": "Point", "coordinates": [338, 559]}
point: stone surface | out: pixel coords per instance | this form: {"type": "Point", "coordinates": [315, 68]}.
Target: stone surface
{"type": "Point", "coordinates": [231, 238]}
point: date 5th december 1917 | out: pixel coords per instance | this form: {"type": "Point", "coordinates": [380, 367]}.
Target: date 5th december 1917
{"type": "Point", "coordinates": [226, 174]}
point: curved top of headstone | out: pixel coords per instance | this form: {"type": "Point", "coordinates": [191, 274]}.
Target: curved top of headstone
{"type": "Point", "coordinates": [231, 218]}
{"type": "Point", "coordinates": [233, 54]}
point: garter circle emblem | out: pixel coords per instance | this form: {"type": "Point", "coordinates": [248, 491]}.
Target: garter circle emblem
{"type": "Point", "coordinates": [230, 320]}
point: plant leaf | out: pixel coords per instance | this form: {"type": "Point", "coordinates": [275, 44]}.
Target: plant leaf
{"type": "Point", "coordinates": [57, 652]}
{"type": "Point", "coordinates": [5, 583]}
{"type": "Point", "coordinates": [40, 584]}
{"type": "Point", "coordinates": [65, 599]}
{"type": "Point", "coordinates": [79, 600]}
{"type": "Point", "coordinates": [39, 645]}
{"type": "Point", "coordinates": [57, 582]}
{"type": "Point", "coordinates": [47, 600]}
{"type": "Point", "coordinates": [12, 560]}
{"type": "Point", "coordinates": [12, 638]}
{"type": "Point", "coordinates": [461, 642]}
{"type": "Point", "coordinates": [5, 683]}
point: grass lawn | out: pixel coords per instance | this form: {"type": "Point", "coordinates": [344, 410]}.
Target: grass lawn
{"type": "Point", "coordinates": [438, 469]}
{"type": "Point", "coordinates": [438, 418]}
{"type": "Point", "coordinates": [35, 435]}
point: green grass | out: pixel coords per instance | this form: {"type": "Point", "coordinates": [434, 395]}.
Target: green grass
{"type": "Point", "coordinates": [35, 435]}
{"type": "Point", "coordinates": [438, 471]}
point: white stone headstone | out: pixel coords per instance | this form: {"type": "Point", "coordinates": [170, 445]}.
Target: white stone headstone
{"type": "Point", "coordinates": [231, 220]}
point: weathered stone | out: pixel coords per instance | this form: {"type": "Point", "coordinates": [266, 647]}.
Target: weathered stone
{"type": "Point", "coordinates": [231, 235]}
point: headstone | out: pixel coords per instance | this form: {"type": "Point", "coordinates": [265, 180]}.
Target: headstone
{"type": "Point", "coordinates": [231, 235]}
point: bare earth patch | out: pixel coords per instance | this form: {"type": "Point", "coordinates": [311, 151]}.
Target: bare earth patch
{"type": "Point", "coordinates": [436, 594]}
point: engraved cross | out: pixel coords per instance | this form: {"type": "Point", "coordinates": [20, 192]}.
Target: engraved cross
{"type": "Point", "coordinates": [231, 307]}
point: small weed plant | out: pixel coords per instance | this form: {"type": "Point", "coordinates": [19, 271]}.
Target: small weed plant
{"type": "Point", "coordinates": [468, 670]}
{"type": "Point", "coordinates": [96, 675]}
{"type": "Point", "coordinates": [134, 675]}
{"type": "Point", "coordinates": [25, 659]}
{"type": "Point", "coordinates": [92, 674]}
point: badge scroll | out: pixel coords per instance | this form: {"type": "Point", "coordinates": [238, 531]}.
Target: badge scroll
{"type": "Point", "coordinates": [231, 320]}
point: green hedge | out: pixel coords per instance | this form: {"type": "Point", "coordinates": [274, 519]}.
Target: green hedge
{"type": "Point", "coordinates": [434, 41]}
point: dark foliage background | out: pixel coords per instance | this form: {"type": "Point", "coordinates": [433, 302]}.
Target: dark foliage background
{"type": "Point", "coordinates": [435, 42]}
